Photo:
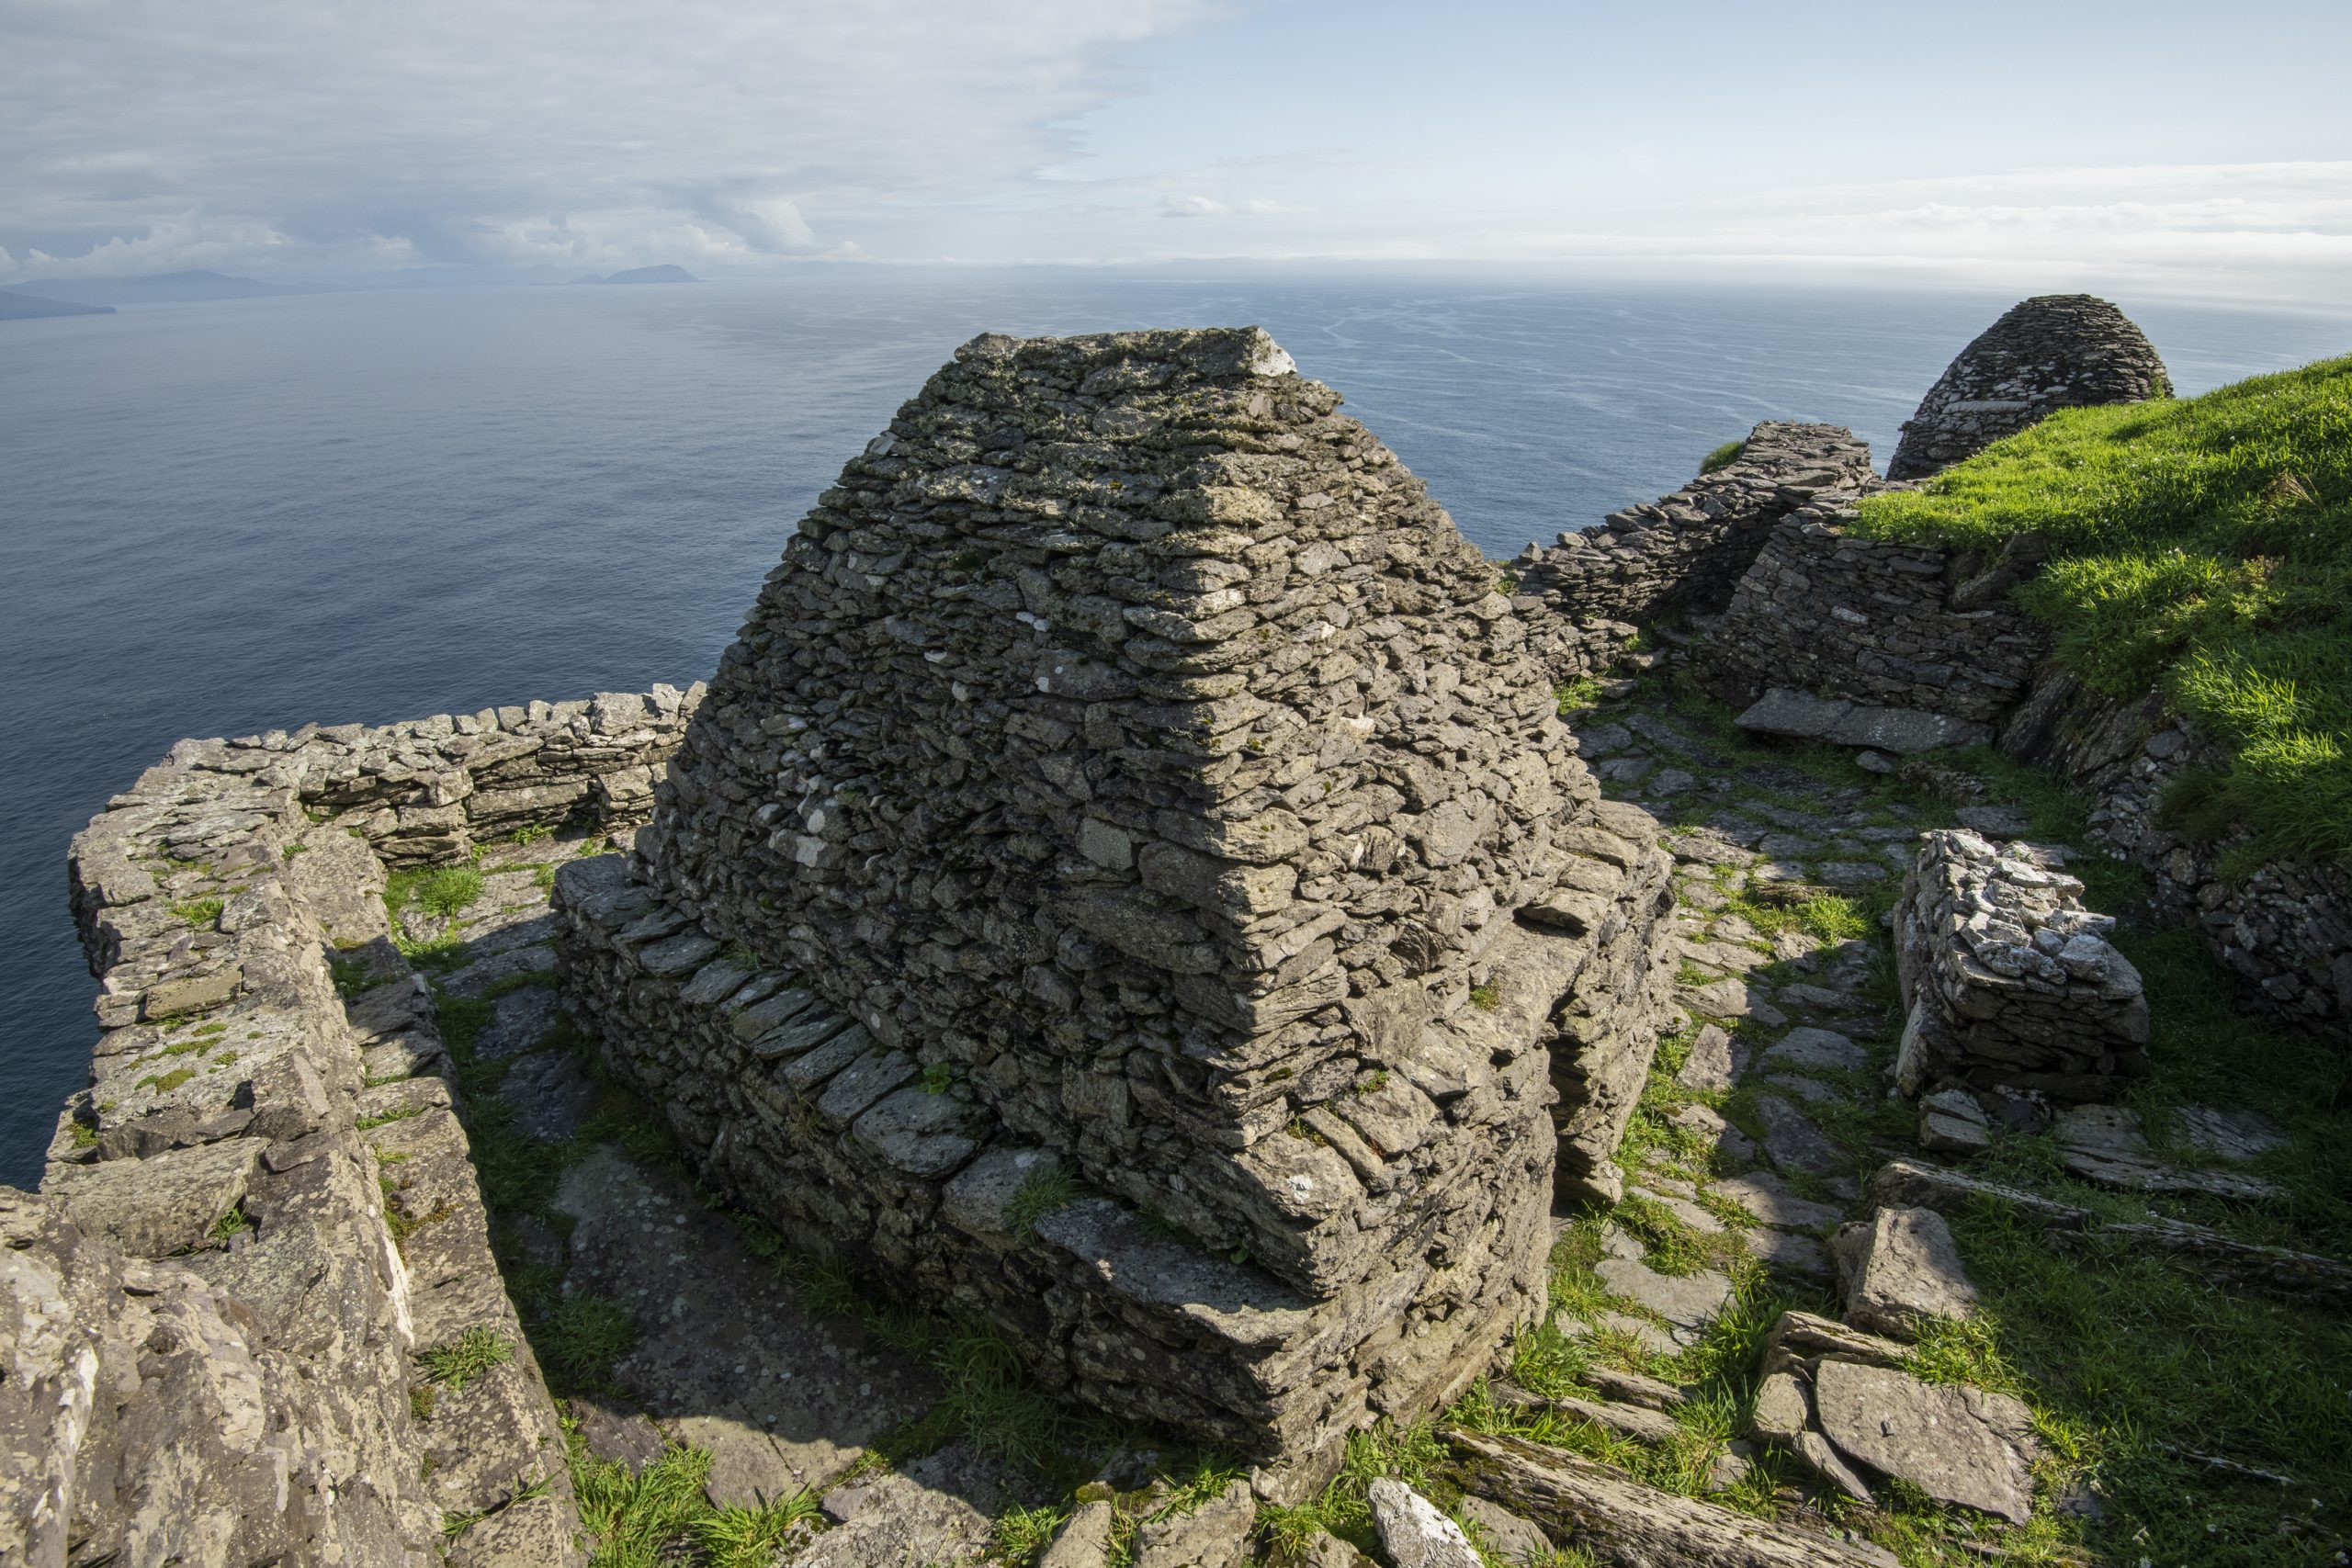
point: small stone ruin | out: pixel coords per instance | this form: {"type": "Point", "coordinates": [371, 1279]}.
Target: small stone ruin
{"type": "Point", "coordinates": [2012, 983]}
{"type": "Point", "coordinates": [1129, 884]}
{"type": "Point", "coordinates": [2051, 352]}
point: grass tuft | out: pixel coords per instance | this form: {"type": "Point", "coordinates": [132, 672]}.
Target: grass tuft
{"type": "Point", "coordinates": [583, 1338]}
{"type": "Point", "coordinates": [1040, 1195]}
{"type": "Point", "coordinates": [1723, 456]}
{"type": "Point", "coordinates": [456, 1362]}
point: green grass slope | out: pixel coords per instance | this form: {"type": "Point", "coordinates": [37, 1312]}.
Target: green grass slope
{"type": "Point", "coordinates": [2204, 546]}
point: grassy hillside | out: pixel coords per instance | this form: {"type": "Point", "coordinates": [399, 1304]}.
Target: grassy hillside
{"type": "Point", "coordinates": [2203, 546]}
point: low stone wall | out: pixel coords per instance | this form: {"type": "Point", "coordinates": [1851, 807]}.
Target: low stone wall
{"type": "Point", "coordinates": [2286, 929]}
{"type": "Point", "coordinates": [1889, 624]}
{"type": "Point", "coordinates": [1686, 551]}
{"type": "Point", "coordinates": [231, 1376]}
{"type": "Point", "coordinates": [427, 790]}
{"type": "Point", "coordinates": [858, 1150]}
{"type": "Point", "coordinates": [2010, 982]}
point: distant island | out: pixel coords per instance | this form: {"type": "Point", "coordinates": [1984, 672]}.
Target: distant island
{"type": "Point", "coordinates": [160, 289]}
{"type": "Point", "coordinates": [645, 275]}
{"type": "Point", "coordinates": [25, 307]}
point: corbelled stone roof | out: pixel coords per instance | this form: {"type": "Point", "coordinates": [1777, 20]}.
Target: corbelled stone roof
{"type": "Point", "coordinates": [2054, 351]}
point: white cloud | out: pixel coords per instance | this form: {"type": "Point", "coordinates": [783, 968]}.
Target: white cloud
{"type": "Point", "coordinates": [340, 136]}
{"type": "Point", "coordinates": [266, 133]}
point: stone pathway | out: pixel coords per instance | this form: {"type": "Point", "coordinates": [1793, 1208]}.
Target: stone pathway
{"type": "Point", "coordinates": [1766, 1112]}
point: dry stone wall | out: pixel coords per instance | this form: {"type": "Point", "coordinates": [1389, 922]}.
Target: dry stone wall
{"type": "Point", "coordinates": [211, 1321]}
{"type": "Point", "coordinates": [1684, 552]}
{"type": "Point", "coordinates": [2011, 982]}
{"type": "Point", "coordinates": [429, 790]}
{"type": "Point", "coordinates": [2055, 351]}
{"type": "Point", "coordinates": [2287, 929]}
{"type": "Point", "coordinates": [1135, 768]}
{"type": "Point", "coordinates": [1884, 624]}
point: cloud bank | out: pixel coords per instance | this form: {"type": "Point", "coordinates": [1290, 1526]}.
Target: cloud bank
{"type": "Point", "coordinates": [332, 138]}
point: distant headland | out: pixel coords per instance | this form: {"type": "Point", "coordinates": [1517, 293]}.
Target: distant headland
{"type": "Point", "coordinates": [26, 307]}
{"type": "Point", "coordinates": [665, 274]}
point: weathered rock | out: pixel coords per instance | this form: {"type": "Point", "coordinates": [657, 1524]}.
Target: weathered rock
{"type": "Point", "coordinates": [1508, 1536]}
{"type": "Point", "coordinates": [1901, 1271]}
{"type": "Point", "coordinates": [1770, 1200]}
{"type": "Point", "coordinates": [1084, 1540]}
{"type": "Point", "coordinates": [2236, 1136]}
{"type": "Point", "coordinates": [1792, 1142]}
{"type": "Point", "coordinates": [1581, 1503]}
{"type": "Point", "coordinates": [1958, 1445]}
{"type": "Point", "coordinates": [1827, 1463]}
{"type": "Point", "coordinates": [1217, 1534]}
{"type": "Point", "coordinates": [1951, 1122]}
{"type": "Point", "coordinates": [935, 1511]}
{"type": "Point", "coordinates": [1806, 1048]}
{"type": "Point", "coordinates": [1783, 1409]}
{"type": "Point", "coordinates": [1842, 722]}
{"type": "Point", "coordinates": [1412, 1531]}
{"type": "Point", "coordinates": [2105, 1143]}
{"type": "Point", "coordinates": [1687, 1301]}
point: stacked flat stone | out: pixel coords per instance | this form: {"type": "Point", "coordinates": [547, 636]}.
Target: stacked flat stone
{"type": "Point", "coordinates": [2054, 351]}
{"type": "Point", "coordinates": [1888, 623]}
{"type": "Point", "coordinates": [426, 791]}
{"type": "Point", "coordinates": [207, 1318]}
{"type": "Point", "coordinates": [1130, 771]}
{"type": "Point", "coordinates": [2011, 982]}
{"type": "Point", "coordinates": [1682, 552]}
{"type": "Point", "coordinates": [2286, 926]}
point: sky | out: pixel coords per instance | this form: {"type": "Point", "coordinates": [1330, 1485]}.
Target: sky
{"type": "Point", "coordinates": [2194, 150]}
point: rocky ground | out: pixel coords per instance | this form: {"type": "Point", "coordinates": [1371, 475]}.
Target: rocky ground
{"type": "Point", "coordinates": [730, 1403]}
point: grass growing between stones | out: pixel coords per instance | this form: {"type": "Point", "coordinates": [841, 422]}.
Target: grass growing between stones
{"type": "Point", "coordinates": [445, 891]}
{"type": "Point", "coordinates": [660, 1517]}
{"type": "Point", "coordinates": [1723, 456]}
{"type": "Point", "coordinates": [456, 1362]}
{"type": "Point", "coordinates": [2203, 546]}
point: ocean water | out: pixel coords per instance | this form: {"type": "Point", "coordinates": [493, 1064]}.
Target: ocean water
{"type": "Point", "coordinates": [221, 518]}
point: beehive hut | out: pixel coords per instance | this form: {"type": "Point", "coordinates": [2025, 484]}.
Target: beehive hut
{"type": "Point", "coordinates": [2051, 352]}
{"type": "Point", "coordinates": [1126, 883]}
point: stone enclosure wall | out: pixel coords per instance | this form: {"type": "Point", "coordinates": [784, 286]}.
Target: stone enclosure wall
{"type": "Point", "coordinates": [1888, 625]}
{"type": "Point", "coordinates": [219, 1366]}
{"type": "Point", "coordinates": [1682, 553]}
{"type": "Point", "coordinates": [426, 791]}
{"type": "Point", "coordinates": [2286, 929]}
{"type": "Point", "coordinates": [1137, 773]}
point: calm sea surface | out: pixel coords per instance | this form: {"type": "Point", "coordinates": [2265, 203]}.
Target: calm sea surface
{"type": "Point", "coordinates": [221, 518]}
